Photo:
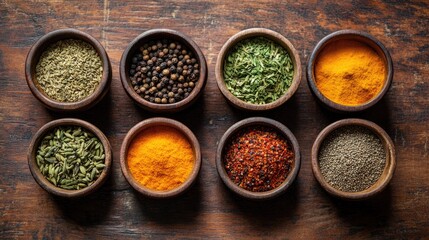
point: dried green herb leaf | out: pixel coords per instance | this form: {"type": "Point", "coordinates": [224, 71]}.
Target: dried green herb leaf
{"type": "Point", "coordinates": [258, 70]}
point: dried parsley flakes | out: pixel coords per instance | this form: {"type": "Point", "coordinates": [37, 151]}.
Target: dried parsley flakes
{"type": "Point", "coordinates": [258, 70]}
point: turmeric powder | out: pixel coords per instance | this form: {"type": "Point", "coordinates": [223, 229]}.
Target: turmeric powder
{"type": "Point", "coordinates": [160, 158]}
{"type": "Point", "coordinates": [349, 72]}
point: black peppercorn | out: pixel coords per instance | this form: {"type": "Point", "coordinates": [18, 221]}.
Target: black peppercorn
{"type": "Point", "coordinates": [163, 71]}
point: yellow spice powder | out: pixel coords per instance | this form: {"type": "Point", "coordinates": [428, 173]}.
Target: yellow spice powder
{"type": "Point", "coordinates": [349, 72]}
{"type": "Point", "coordinates": [160, 158]}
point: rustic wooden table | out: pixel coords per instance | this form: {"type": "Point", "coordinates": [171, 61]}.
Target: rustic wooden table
{"type": "Point", "coordinates": [209, 209]}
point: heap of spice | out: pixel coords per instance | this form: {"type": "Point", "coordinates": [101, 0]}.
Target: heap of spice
{"type": "Point", "coordinates": [352, 158]}
{"type": "Point", "coordinates": [258, 158]}
{"type": "Point", "coordinates": [349, 72]}
{"type": "Point", "coordinates": [258, 70]}
{"type": "Point", "coordinates": [160, 158]}
{"type": "Point", "coordinates": [69, 70]}
{"type": "Point", "coordinates": [70, 157]}
{"type": "Point", "coordinates": [164, 72]}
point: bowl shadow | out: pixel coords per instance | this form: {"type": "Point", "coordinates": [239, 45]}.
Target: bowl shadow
{"type": "Point", "coordinates": [267, 214]}
{"type": "Point", "coordinates": [92, 115]}
{"type": "Point", "coordinates": [90, 210]}
{"type": "Point", "coordinates": [368, 215]}
{"type": "Point", "coordinates": [181, 209]}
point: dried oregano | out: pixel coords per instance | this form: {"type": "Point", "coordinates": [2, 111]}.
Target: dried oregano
{"type": "Point", "coordinates": [70, 157]}
{"type": "Point", "coordinates": [69, 70]}
{"type": "Point", "coordinates": [258, 70]}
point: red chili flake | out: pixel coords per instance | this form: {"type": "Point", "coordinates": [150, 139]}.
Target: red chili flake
{"type": "Point", "coordinates": [258, 158]}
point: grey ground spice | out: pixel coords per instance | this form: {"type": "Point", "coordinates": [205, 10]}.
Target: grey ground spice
{"type": "Point", "coordinates": [69, 70]}
{"type": "Point", "coordinates": [352, 158]}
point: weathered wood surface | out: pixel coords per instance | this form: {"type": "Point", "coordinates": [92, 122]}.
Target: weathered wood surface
{"type": "Point", "coordinates": [209, 209]}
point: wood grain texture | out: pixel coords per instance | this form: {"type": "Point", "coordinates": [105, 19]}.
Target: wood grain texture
{"type": "Point", "coordinates": [209, 210]}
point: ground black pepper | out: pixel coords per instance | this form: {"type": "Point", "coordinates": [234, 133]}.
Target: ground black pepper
{"type": "Point", "coordinates": [164, 71]}
{"type": "Point", "coordinates": [352, 158]}
{"type": "Point", "coordinates": [258, 159]}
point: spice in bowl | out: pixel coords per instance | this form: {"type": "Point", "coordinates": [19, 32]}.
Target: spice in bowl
{"type": "Point", "coordinates": [258, 70]}
{"type": "Point", "coordinates": [164, 72]}
{"type": "Point", "coordinates": [160, 158]}
{"type": "Point", "coordinates": [349, 72]}
{"type": "Point", "coordinates": [352, 158]}
{"type": "Point", "coordinates": [69, 70]}
{"type": "Point", "coordinates": [258, 159]}
{"type": "Point", "coordinates": [70, 157]}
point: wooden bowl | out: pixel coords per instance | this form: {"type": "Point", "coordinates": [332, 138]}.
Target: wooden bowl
{"type": "Point", "coordinates": [362, 37]}
{"type": "Point", "coordinates": [158, 34]}
{"type": "Point", "coordinates": [385, 176]}
{"type": "Point", "coordinates": [33, 58]}
{"type": "Point", "coordinates": [48, 186]}
{"type": "Point", "coordinates": [250, 33]}
{"type": "Point", "coordinates": [258, 121]}
{"type": "Point", "coordinates": [134, 131]}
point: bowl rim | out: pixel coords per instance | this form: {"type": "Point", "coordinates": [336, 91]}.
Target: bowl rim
{"type": "Point", "coordinates": [160, 121]}
{"type": "Point", "coordinates": [183, 39]}
{"type": "Point", "coordinates": [273, 36]}
{"type": "Point", "coordinates": [357, 36]}
{"type": "Point", "coordinates": [39, 47]}
{"type": "Point", "coordinates": [43, 182]}
{"type": "Point", "coordinates": [388, 171]}
{"type": "Point", "coordinates": [258, 121]}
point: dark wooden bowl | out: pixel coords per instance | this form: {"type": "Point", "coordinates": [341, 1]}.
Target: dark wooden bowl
{"type": "Point", "coordinates": [349, 35]}
{"type": "Point", "coordinates": [258, 121]}
{"type": "Point", "coordinates": [33, 58]}
{"type": "Point", "coordinates": [250, 33]}
{"type": "Point", "coordinates": [385, 176]}
{"type": "Point", "coordinates": [48, 186]}
{"type": "Point", "coordinates": [158, 34]}
{"type": "Point", "coordinates": [134, 131]}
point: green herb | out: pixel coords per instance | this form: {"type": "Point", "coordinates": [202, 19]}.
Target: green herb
{"type": "Point", "coordinates": [70, 157]}
{"type": "Point", "coordinates": [69, 70]}
{"type": "Point", "coordinates": [258, 70]}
